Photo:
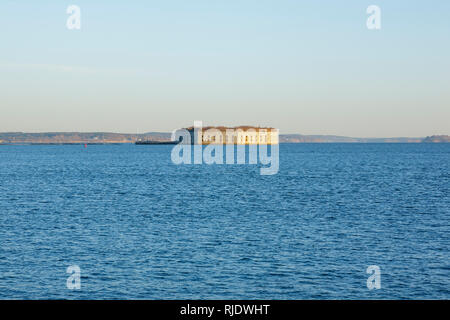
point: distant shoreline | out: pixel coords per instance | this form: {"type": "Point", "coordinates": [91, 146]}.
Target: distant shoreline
{"type": "Point", "coordinates": [98, 138]}
{"type": "Point", "coordinates": [160, 144]}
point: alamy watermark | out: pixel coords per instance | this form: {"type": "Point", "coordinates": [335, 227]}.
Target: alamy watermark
{"type": "Point", "coordinates": [198, 145]}
{"type": "Point", "coordinates": [374, 20]}
{"type": "Point", "coordinates": [74, 20]}
{"type": "Point", "coordinates": [74, 280]}
{"type": "Point", "coordinates": [374, 280]}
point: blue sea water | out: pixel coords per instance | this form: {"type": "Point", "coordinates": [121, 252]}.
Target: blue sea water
{"type": "Point", "coordinates": [140, 227]}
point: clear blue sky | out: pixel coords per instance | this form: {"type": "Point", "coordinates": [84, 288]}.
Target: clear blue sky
{"type": "Point", "coordinates": [308, 67]}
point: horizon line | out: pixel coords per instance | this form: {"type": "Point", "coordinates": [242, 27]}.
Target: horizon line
{"type": "Point", "coordinates": [169, 132]}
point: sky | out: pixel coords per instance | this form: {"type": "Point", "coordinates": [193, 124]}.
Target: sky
{"type": "Point", "coordinates": [308, 67]}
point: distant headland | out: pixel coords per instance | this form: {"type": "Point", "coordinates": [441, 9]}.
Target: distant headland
{"type": "Point", "coordinates": [120, 138]}
{"type": "Point", "coordinates": [436, 139]}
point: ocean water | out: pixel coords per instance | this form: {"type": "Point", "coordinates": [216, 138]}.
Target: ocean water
{"type": "Point", "coordinates": [140, 227]}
